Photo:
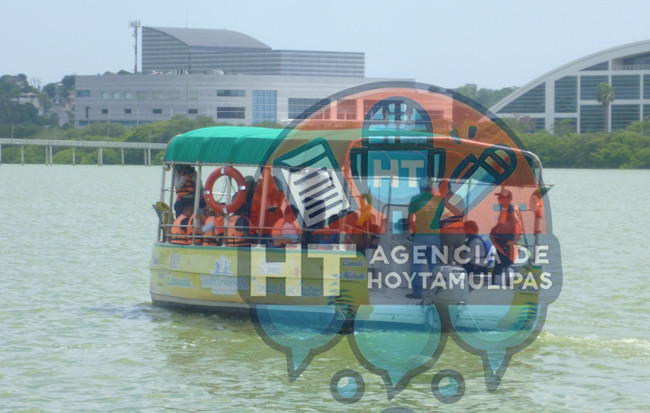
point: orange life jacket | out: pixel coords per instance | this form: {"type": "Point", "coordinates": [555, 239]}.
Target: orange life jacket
{"type": "Point", "coordinates": [452, 225]}
{"type": "Point", "coordinates": [210, 237]}
{"type": "Point", "coordinates": [539, 213]}
{"type": "Point", "coordinates": [511, 219]}
{"type": "Point", "coordinates": [181, 231]}
{"type": "Point", "coordinates": [198, 239]}
{"type": "Point", "coordinates": [234, 236]}
{"type": "Point", "coordinates": [187, 189]}
{"type": "Point", "coordinates": [274, 200]}
{"type": "Point", "coordinates": [451, 220]}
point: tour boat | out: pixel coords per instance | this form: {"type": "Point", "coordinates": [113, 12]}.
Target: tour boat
{"type": "Point", "coordinates": [342, 179]}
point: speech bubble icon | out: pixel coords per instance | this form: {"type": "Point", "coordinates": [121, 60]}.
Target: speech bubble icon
{"type": "Point", "coordinates": [299, 331]}
{"type": "Point", "coordinates": [398, 354]}
{"type": "Point", "coordinates": [496, 333]}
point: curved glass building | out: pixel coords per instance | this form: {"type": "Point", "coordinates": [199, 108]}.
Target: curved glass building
{"type": "Point", "coordinates": [567, 95]}
{"type": "Point", "coordinates": [184, 50]}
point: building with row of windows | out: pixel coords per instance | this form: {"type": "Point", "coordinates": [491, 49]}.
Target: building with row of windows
{"type": "Point", "coordinates": [228, 76]}
{"type": "Point", "coordinates": [184, 50]}
{"type": "Point", "coordinates": [235, 99]}
{"type": "Point", "coordinates": [567, 95]}
{"type": "Point", "coordinates": [235, 78]}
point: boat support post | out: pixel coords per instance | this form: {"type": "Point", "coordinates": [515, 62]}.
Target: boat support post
{"type": "Point", "coordinates": [171, 190]}
{"type": "Point", "coordinates": [197, 197]}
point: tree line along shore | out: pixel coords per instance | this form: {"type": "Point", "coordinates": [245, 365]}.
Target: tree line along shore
{"type": "Point", "coordinates": [622, 149]}
{"type": "Point", "coordinates": [628, 148]}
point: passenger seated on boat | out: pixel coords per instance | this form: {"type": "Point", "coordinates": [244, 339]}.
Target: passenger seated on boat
{"type": "Point", "coordinates": [329, 235]}
{"type": "Point", "coordinates": [273, 210]}
{"type": "Point", "coordinates": [238, 229]}
{"type": "Point", "coordinates": [250, 191]}
{"type": "Point", "coordinates": [181, 230]}
{"type": "Point", "coordinates": [286, 230]}
{"type": "Point", "coordinates": [480, 260]}
{"type": "Point", "coordinates": [196, 230]}
{"type": "Point", "coordinates": [185, 186]}
{"type": "Point", "coordinates": [213, 228]}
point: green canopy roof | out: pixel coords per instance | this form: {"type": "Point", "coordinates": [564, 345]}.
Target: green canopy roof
{"type": "Point", "coordinates": [224, 144]}
{"type": "Point", "coordinates": [241, 145]}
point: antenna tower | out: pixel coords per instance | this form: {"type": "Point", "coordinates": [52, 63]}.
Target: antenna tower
{"type": "Point", "coordinates": [136, 25]}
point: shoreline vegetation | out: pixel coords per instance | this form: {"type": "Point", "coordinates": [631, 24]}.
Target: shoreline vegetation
{"type": "Point", "coordinates": [159, 132]}
{"type": "Point", "coordinates": [627, 148]}
{"type": "Point", "coordinates": [623, 149]}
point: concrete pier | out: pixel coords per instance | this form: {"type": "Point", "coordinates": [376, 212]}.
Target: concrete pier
{"type": "Point", "coordinates": [100, 145]}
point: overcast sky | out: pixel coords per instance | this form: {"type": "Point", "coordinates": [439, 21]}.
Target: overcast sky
{"type": "Point", "coordinates": [492, 44]}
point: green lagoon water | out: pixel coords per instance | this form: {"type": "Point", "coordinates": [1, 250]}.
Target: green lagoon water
{"type": "Point", "coordinates": [78, 331]}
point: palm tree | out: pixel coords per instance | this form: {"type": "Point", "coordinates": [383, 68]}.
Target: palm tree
{"type": "Point", "coordinates": [605, 96]}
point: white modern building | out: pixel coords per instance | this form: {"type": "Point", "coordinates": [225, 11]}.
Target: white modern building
{"type": "Point", "coordinates": [568, 93]}
{"type": "Point", "coordinates": [230, 98]}
{"type": "Point", "coordinates": [228, 76]}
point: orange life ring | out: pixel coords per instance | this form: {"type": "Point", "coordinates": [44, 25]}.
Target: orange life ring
{"type": "Point", "coordinates": [239, 198]}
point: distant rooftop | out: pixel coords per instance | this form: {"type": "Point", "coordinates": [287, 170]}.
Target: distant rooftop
{"type": "Point", "coordinates": [212, 38]}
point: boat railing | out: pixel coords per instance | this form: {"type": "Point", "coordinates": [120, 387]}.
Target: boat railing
{"type": "Point", "coordinates": [256, 236]}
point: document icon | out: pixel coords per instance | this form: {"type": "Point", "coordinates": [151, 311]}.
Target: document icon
{"type": "Point", "coordinates": [313, 182]}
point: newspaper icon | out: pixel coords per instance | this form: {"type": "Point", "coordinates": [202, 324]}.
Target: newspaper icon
{"type": "Point", "coordinates": [313, 182]}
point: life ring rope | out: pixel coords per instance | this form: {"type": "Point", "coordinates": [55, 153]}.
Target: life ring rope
{"type": "Point", "coordinates": [239, 197]}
